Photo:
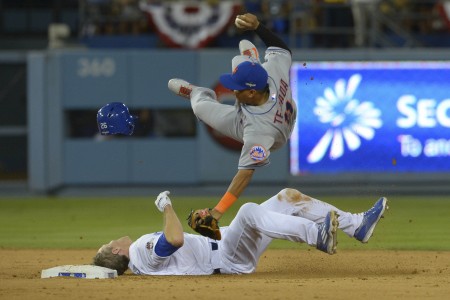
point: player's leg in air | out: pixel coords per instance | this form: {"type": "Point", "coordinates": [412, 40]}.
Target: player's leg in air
{"type": "Point", "coordinates": [221, 117]}
{"type": "Point", "coordinates": [359, 225]}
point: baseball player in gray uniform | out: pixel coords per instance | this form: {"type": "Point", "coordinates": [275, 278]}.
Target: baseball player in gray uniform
{"type": "Point", "coordinates": [265, 113]}
{"type": "Point", "coordinates": [289, 215]}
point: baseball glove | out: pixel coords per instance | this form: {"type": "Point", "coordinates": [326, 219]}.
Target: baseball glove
{"type": "Point", "coordinates": [206, 225]}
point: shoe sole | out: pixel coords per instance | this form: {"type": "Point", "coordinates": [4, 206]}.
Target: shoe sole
{"type": "Point", "coordinates": [251, 51]}
{"type": "Point", "coordinates": [372, 228]}
{"type": "Point", "coordinates": [333, 230]}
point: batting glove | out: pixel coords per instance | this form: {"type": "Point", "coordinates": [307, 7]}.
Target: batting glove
{"type": "Point", "coordinates": [163, 200]}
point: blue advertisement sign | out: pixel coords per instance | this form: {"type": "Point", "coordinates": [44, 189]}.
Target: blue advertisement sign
{"type": "Point", "coordinates": [358, 117]}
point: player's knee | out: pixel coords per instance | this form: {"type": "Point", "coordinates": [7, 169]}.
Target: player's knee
{"type": "Point", "coordinates": [291, 195]}
{"type": "Point", "coordinates": [248, 207]}
{"type": "Point", "coordinates": [247, 210]}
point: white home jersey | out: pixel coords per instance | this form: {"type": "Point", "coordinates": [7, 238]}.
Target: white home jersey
{"type": "Point", "coordinates": [194, 258]}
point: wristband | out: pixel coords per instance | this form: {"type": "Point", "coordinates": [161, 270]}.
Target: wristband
{"type": "Point", "coordinates": [226, 202]}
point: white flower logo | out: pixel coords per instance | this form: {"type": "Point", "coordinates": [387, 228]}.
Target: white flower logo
{"type": "Point", "coordinates": [349, 120]}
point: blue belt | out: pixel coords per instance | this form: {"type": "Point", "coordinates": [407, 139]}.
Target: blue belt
{"type": "Point", "coordinates": [214, 247]}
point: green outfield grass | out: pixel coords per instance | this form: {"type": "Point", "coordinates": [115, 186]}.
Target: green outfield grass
{"type": "Point", "coordinates": [412, 223]}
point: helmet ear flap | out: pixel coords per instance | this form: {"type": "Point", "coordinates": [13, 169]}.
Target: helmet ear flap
{"type": "Point", "coordinates": [130, 128]}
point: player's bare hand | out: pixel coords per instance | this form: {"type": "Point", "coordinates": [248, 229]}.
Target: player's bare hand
{"type": "Point", "coordinates": [246, 22]}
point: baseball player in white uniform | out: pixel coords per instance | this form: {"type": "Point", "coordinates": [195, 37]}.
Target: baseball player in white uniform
{"type": "Point", "coordinates": [265, 113]}
{"type": "Point", "coordinates": [289, 215]}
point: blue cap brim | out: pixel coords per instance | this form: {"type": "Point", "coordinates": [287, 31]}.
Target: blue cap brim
{"type": "Point", "coordinates": [227, 81]}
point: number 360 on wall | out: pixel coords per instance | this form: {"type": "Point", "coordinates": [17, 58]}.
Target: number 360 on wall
{"type": "Point", "coordinates": [96, 67]}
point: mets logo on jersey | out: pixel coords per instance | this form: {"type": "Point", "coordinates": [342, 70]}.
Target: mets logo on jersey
{"type": "Point", "coordinates": [258, 153]}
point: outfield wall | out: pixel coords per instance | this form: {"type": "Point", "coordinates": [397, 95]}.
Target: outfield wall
{"type": "Point", "coordinates": [60, 81]}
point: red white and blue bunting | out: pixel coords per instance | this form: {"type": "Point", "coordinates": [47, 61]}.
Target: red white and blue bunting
{"type": "Point", "coordinates": [190, 24]}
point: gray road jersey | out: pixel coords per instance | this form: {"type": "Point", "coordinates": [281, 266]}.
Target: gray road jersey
{"type": "Point", "coordinates": [268, 127]}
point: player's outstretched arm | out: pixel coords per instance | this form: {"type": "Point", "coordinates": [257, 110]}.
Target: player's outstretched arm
{"type": "Point", "coordinates": [173, 230]}
{"type": "Point", "coordinates": [236, 188]}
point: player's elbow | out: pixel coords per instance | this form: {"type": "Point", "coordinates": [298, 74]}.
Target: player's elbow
{"type": "Point", "coordinates": [176, 240]}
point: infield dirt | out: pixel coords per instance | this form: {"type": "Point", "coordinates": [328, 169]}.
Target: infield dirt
{"type": "Point", "coordinates": [282, 274]}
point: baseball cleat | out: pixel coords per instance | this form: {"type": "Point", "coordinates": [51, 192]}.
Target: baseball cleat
{"type": "Point", "coordinates": [248, 49]}
{"type": "Point", "coordinates": [180, 87]}
{"type": "Point", "coordinates": [370, 220]}
{"type": "Point", "coordinates": [327, 236]}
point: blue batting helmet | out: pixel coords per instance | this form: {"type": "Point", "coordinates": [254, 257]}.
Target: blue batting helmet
{"type": "Point", "coordinates": [115, 118]}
